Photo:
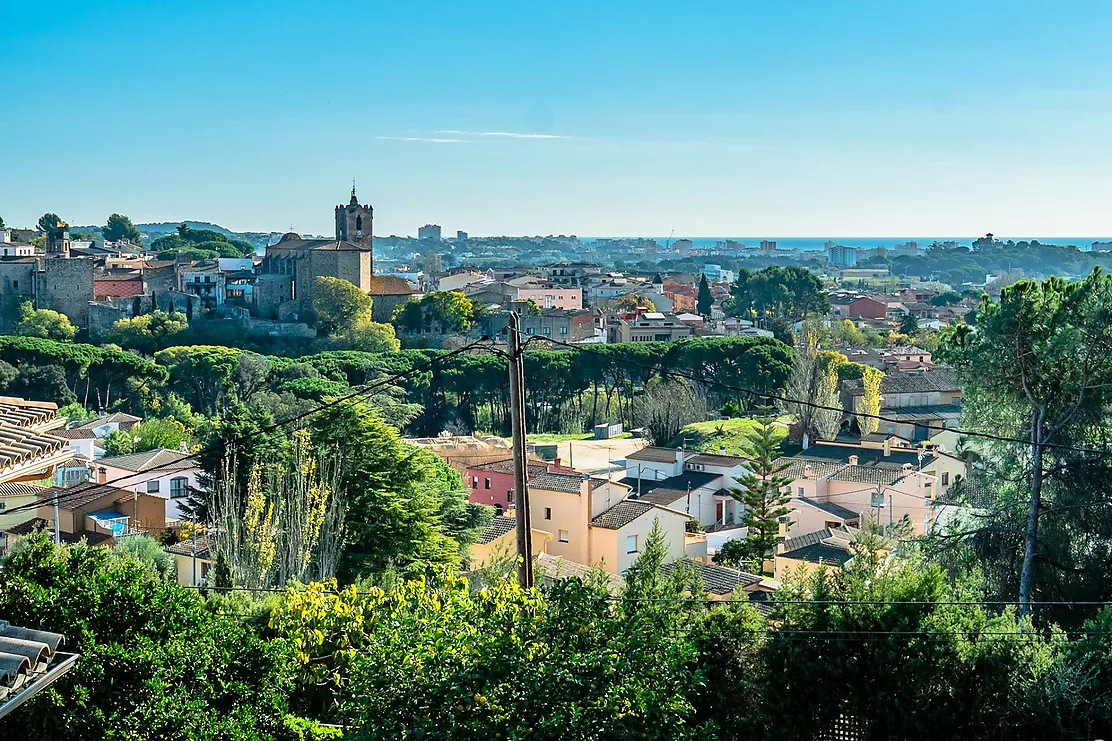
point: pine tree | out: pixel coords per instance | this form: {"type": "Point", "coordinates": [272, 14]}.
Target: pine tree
{"type": "Point", "coordinates": [909, 325]}
{"type": "Point", "coordinates": [222, 572]}
{"type": "Point", "coordinates": [763, 495]}
{"type": "Point", "coordinates": [705, 299]}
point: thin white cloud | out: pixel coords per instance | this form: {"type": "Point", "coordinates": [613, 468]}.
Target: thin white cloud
{"type": "Point", "coordinates": [503, 134]}
{"type": "Point", "coordinates": [427, 139]}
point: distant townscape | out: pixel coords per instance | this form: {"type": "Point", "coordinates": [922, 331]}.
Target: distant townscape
{"type": "Point", "coordinates": [754, 485]}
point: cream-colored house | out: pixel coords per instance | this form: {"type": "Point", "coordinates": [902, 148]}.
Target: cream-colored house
{"type": "Point", "coordinates": [838, 483]}
{"type": "Point", "coordinates": [194, 557]}
{"type": "Point", "coordinates": [499, 542]}
{"type": "Point", "coordinates": [618, 535]}
{"type": "Point", "coordinates": [594, 523]}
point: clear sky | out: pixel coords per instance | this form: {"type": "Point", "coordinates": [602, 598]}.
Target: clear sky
{"type": "Point", "coordinates": [804, 118]}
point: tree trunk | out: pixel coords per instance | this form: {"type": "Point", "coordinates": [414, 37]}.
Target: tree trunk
{"type": "Point", "coordinates": [1031, 537]}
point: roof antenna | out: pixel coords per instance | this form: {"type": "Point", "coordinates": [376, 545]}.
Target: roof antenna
{"type": "Point", "coordinates": [353, 187]}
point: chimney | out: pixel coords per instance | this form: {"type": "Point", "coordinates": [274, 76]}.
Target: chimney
{"type": "Point", "coordinates": [680, 456]}
{"type": "Point", "coordinates": [722, 450]}
{"type": "Point", "coordinates": [853, 460]}
{"type": "Point", "coordinates": [806, 441]}
{"type": "Point", "coordinates": [808, 471]}
{"type": "Point", "coordinates": [887, 447]}
{"type": "Point", "coordinates": [782, 532]}
{"type": "Point", "coordinates": [556, 461]}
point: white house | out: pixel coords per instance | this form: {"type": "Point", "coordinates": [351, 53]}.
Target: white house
{"type": "Point", "coordinates": [104, 426]}
{"type": "Point", "coordinates": [691, 482]}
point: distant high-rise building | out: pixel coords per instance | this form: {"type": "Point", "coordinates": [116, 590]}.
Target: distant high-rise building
{"type": "Point", "coordinates": [461, 236]}
{"type": "Point", "coordinates": [768, 245]}
{"type": "Point", "coordinates": [682, 245]}
{"type": "Point", "coordinates": [837, 254]}
{"type": "Point", "coordinates": [430, 232]}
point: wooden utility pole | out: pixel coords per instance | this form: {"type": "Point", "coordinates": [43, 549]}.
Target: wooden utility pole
{"type": "Point", "coordinates": [517, 434]}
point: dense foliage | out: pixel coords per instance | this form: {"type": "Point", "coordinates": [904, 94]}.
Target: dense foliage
{"type": "Point", "coordinates": [199, 244]}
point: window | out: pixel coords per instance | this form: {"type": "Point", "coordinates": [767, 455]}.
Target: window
{"type": "Point", "coordinates": [546, 330]}
{"type": "Point", "coordinates": [631, 544]}
{"type": "Point", "coordinates": [15, 283]}
{"type": "Point", "coordinates": [800, 490]}
{"type": "Point", "coordinates": [563, 536]}
{"type": "Point", "coordinates": [832, 524]}
{"type": "Point", "coordinates": [563, 330]}
{"type": "Point", "coordinates": [530, 331]}
{"type": "Point", "coordinates": [548, 513]}
{"type": "Point", "coordinates": [510, 495]}
{"type": "Point", "coordinates": [945, 478]}
{"type": "Point", "coordinates": [474, 482]}
{"type": "Point", "coordinates": [178, 486]}
{"type": "Point", "coordinates": [486, 483]}
{"type": "Point", "coordinates": [154, 486]}
{"type": "Point", "coordinates": [927, 489]}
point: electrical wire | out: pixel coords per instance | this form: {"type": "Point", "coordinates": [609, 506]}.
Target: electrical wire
{"type": "Point", "coordinates": [812, 404]}
{"type": "Point", "coordinates": [68, 495]}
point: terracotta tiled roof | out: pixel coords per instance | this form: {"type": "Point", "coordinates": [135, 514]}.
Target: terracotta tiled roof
{"type": "Point", "coordinates": [716, 579]}
{"type": "Point", "coordinates": [496, 529]}
{"type": "Point", "coordinates": [206, 548]}
{"type": "Point", "coordinates": [389, 285]}
{"type": "Point", "coordinates": [162, 459]}
{"type": "Point", "coordinates": [564, 482]}
{"type": "Point", "coordinates": [653, 455]}
{"type": "Point", "coordinates": [621, 514]}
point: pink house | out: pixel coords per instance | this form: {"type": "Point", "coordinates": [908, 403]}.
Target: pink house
{"type": "Point", "coordinates": [493, 483]}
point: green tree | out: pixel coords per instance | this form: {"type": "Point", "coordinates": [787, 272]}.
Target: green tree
{"type": "Point", "coordinates": [44, 323]}
{"type": "Point", "coordinates": [632, 301]}
{"type": "Point", "coordinates": [443, 311]}
{"type": "Point", "coordinates": [51, 223]}
{"type": "Point", "coordinates": [814, 381]}
{"type": "Point", "coordinates": [736, 553]}
{"type": "Point", "coordinates": [153, 433]}
{"type": "Point", "coordinates": [791, 292]}
{"type": "Point", "coordinates": [871, 379]}
{"type": "Point", "coordinates": [120, 227]}
{"type": "Point", "coordinates": [909, 325]}
{"type": "Point", "coordinates": [624, 671]}
{"type": "Point", "coordinates": [148, 332]}
{"type": "Point", "coordinates": [397, 522]}
{"type": "Point", "coordinates": [43, 382]}
{"type": "Point", "coordinates": [340, 305]}
{"type": "Point", "coordinates": [764, 493]}
{"type": "Point", "coordinates": [705, 299]}
{"type": "Point", "coordinates": [140, 637]}
{"type": "Point", "coordinates": [1039, 368]}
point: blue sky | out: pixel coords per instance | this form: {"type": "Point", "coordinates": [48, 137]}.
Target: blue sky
{"type": "Point", "coordinates": [708, 118]}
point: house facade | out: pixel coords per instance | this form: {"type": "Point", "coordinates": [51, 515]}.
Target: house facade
{"type": "Point", "coordinates": [162, 473]}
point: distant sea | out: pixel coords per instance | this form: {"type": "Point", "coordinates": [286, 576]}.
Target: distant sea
{"type": "Point", "coordinates": [819, 243]}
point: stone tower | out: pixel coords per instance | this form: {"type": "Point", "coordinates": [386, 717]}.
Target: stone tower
{"type": "Point", "coordinates": [353, 222]}
{"type": "Point", "coordinates": [58, 241]}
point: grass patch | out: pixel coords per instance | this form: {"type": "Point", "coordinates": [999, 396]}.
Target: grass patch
{"type": "Point", "coordinates": [709, 437]}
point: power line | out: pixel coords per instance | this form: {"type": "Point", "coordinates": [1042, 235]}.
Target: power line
{"type": "Point", "coordinates": [69, 495]}
{"type": "Point", "coordinates": [812, 404]}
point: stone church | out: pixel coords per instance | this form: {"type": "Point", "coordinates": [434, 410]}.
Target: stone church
{"type": "Point", "coordinates": [285, 284]}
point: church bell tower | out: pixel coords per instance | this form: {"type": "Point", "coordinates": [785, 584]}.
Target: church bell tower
{"type": "Point", "coordinates": [354, 221]}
